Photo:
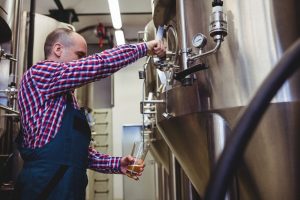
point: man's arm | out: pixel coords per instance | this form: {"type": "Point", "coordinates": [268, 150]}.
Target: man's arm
{"type": "Point", "coordinates": [53, 78]}
{"type": "Point", "coordinates": [104, 163]}
{"type": "Point", "coordinates": [111, 165]}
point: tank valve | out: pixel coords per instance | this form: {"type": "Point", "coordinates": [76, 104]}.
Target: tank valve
{"type": "Point", "coordinates": [218, 23]}
{"type": "Point", "coordinates": [11, 93]}
{"type": "Point", "coordinates": [167, 115]}
{"type": "Point", "coordinates": [6, 56]}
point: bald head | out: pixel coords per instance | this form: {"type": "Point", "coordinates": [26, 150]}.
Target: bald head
{"type": "Point", "coordinates": [64, 45]}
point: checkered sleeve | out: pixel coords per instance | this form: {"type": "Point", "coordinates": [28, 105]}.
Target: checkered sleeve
{"type": "Point", "coordinates": [104, 163]}
{"type": "Point", "coordinates": [55, 78]}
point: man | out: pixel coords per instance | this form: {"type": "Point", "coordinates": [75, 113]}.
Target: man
{"type": "Point", "coordinates": [55, 134]}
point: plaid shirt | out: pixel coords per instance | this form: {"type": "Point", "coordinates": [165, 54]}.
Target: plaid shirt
{"type": "Point", "coordinates": [42, 96]}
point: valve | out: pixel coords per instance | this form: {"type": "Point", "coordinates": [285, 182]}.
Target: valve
{"type": "Point", "coordinates": [218, 23]}
{"type": "Point", "coordinates": [6, 56]}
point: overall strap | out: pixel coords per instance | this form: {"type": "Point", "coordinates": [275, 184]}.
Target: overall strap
{"type": "Point", "coordinates": [58, 174]}
{"type": "Point", "coordinates": [53, 182]}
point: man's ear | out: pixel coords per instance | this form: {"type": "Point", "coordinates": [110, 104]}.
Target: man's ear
{"type": "Point", "coordinates": [57, 49]}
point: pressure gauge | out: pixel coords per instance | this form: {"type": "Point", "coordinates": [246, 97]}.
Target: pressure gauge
{"type": "Point", "coordinates": [199, 40]}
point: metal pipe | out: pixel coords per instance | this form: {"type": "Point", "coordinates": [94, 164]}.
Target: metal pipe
{"type": "Point", "coordinates": [153, 101]}
{"type": "Point", "coordinates": [169, 53]}
{"type": "Point", "coordinates": [184, 51]}
{"type": "Point", "coordinates": [16, 39]}
{"type": "Point", "coordinates": [243, 131]}
{"type": "Point", "coordinates": [9, 115]}
{"type": "Point", "coordinates": [214, 50]}
{"type": "Point", "coordinates": [173, 178]}
{"type": "Point", "coordinates": [149, 112]}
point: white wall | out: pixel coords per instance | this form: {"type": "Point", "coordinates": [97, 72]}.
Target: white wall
{"type": "Point", "coordinates": [127, 97]}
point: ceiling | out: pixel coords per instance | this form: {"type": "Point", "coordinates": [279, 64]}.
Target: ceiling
{"type": "Point", "coordinates": [135, 14]}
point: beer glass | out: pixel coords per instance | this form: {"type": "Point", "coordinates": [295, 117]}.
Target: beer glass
{"type": "Point", "coordinates": [139, 152]}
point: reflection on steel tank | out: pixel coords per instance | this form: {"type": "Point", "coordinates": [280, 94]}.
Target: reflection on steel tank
{"type": "Point", "coordinates": [201, 107]}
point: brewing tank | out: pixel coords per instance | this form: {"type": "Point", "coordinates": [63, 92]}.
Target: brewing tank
{"type": "Point", "coordinates": [6, 18]}
{"type": "Point", "coordinates": [203, 113]}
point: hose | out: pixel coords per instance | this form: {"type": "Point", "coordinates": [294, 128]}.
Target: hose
{"type": "Point", "coordinates": [241, 134]}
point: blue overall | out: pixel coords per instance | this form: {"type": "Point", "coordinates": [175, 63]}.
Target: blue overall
{"type": "Point", "coordinates": [68, 148]}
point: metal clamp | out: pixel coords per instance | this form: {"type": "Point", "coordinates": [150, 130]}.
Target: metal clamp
{"type": "Point", "coordinates": [152, 108]}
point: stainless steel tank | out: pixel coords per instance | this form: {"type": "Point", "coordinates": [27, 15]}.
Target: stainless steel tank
{"type": "Point", "coordinates": [4, 22]}
{"type": "Point", "coordinates": [158, 146]}
{"type": "Point", "coordinates": [8, 11]}
{"type": "Point", "coordinates": [203, 114]}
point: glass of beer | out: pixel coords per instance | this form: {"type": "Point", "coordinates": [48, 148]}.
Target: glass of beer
{"type": "Point", "coordinates": [139, 152]}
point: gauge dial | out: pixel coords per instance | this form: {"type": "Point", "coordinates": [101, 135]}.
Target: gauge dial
{"type": "Point", "coordinates": [199, 40]}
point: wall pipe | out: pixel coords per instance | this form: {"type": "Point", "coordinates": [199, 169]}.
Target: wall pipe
{"type": "Point", "coordinates": [235, 148]}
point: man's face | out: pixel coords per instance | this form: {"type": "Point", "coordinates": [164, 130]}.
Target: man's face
{"type": "Point", "coordinates": [76, 51]}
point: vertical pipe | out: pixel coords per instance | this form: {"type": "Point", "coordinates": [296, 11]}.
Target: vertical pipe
{"type": "Point", "coordinates": [185, 186]}
{"type": "Point", "coordinates": [173, 178]}
{"type": "Point", "coordinates": [184, 57]}
{"type": "Point", "coordinates": [158, 181]}
{"type": "Point", "coordinates": [15, 47]}
{"type": "Point", "coordinates": [16, 38]}
{"type": "Point", "coordinates": [31, 34]}
{"type": "Point", "coordinates": [166, 185]}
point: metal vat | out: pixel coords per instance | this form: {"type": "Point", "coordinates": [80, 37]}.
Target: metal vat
{"type": "Point", "coordinates": [203, 113]}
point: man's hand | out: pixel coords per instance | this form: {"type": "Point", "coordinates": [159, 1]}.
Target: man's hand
{"type": "Point", "coordinates": [156, 47]}
{"type": "Point", "coordinates": [129, 160]}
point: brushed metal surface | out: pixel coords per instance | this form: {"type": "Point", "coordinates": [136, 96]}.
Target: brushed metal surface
{"type": "Point", "coordinates": [6, 23]}
{"type": "Point", "coordinates": [270, 168]}
{"type": "Point", "coordinates": [160, 150]}
{"type": "Point", "coordinates": [191, 134]}
{"type": "Point", "coordinates": [158, 146]}
{"type": "Point", "coordinates": [150, 70]}
{"type": "Point", "coordinates": [163, 11]}
{"type": "Point", "coordinates": [259, 33]}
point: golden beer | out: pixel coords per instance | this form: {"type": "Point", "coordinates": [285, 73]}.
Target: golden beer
{"type": "Point", "coordinates": [134, 169]}
{"type": "Point", "coordinates": [139, 151]}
